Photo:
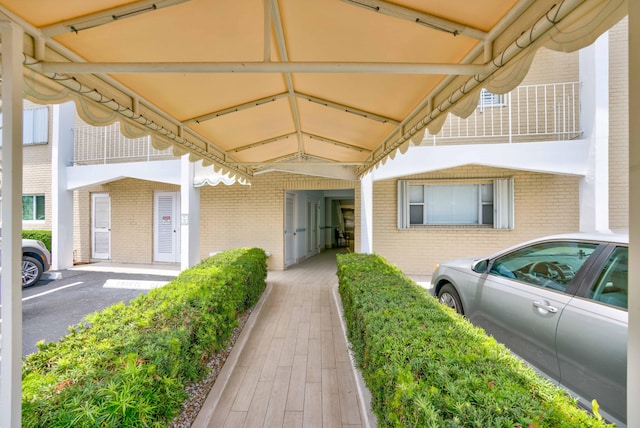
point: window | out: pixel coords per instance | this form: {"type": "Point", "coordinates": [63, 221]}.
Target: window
{"type": "Point", "coordinates": [35, 126]}
{"type": "Point", "coordinates": [33, 207]}
{"type": "Point", "coordinates": [485, 203]}
{"type": "Point", "coordinates": [487, 99]}
{"type": "Point", "coordinates": [549, 264]}
{"type": "Point", "coordinates": [612, 285]}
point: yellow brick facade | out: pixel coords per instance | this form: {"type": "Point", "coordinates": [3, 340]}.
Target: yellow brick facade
{"type": "Point", "coordinates": [241, 216]}
{"type": "Point", "coordinates": [543, 204]}
{"type": "Point", "coordinates": [230, 216]}
{"type": "Point", "coordinates": [619, 126]}
{"type": "Point", "coordinates": [36, 179]}
{"type": "Point", "coordinates": [131, 220]}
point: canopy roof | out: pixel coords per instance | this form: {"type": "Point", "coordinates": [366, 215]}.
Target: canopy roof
{"type": "Point", "coordinates": [330, 87]}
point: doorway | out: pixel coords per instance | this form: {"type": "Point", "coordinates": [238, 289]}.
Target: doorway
{"type": "Point", "coordinates": [166, 229]}
{"type": "Point", "coordinates": [101, 226]}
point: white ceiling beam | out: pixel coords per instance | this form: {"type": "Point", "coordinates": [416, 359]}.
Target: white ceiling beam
{"type": "Point", "coordinates": [257, 67]}
{"type": "Point", "coordinates": [106, 16]}
{"type": "Point", "coordinates": [264, 142]}
{"type": "Point", "coordinates": [348, 109]}
{"type": "Point", "coordinates": [421, 18]}
{"type": "Point", "coordinates": [336, 142]}
{"type": "Point", "coordinates": [339, 172]}
{"type": "Point", "coordinates": [236, 108]}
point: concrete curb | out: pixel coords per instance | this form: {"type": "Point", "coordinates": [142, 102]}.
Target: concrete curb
{"type": "Point", "coordinates": [364, 395]}
{"type": "Point", "coordinates": [210, 404]}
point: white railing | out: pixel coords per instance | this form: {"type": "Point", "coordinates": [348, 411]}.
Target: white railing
{"type": "Point", "coordinates": [106, 144]}
{"type": "Point", "coordinates": [527, 114]}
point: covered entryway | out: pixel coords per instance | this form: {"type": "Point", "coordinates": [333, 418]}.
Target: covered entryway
{"type": "Point", "coordinates": [316, 220]}
{"type": "Point", "coordinates": [334, 87]}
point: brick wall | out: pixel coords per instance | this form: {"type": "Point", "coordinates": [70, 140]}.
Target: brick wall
{"type": "Point", "coordinates": [551, 66]}
{"type": "Point", "coordinates": [36, 178]}
{"type": "Point", "coordinates": [131, 220]}
{"type": "Point", "coordinates": [253, 216]}
{"type": "Point", "coordinates": [544, 204]}
{"type": "Point", "coordinates": [619, 126]}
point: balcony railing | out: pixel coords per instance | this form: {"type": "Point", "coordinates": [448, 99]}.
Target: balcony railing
{"type": "Point", "coordinates": [106, 144]}
{"type": "Point", "coordinates": [529, 113]}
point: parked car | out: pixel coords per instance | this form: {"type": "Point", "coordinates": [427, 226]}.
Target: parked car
{"type": "Point", "coordinates": [558, 302]}
{"type": "Point", "coordinates": [36, 259]}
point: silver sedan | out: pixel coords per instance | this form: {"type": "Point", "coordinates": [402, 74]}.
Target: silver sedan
{"type": "Point", "coordinates": [560, 303]}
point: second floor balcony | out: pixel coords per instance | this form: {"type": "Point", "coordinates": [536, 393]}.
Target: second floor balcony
{"type": "Point", "coordinates": [529, 113]}
{"type": "Point", "coordinates": [106, 144]}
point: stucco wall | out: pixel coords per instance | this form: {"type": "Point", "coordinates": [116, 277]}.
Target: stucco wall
{"type": "Point", "coordinates": [543, 204]}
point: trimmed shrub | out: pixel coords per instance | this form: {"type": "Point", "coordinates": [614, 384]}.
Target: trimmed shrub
{"type": "Point", "coordinates": [40, 235]}
{"type": "Point", "coordinates": [427, 366]}
{"type": "Point", "coordinates": [128, 365]}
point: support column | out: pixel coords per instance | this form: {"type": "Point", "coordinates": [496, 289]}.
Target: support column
{"type": "Point", "coordinates": [594, 187]}
{"type": "Point", "coordinates": [62, 204]}
{"type": "Point", "coordinates": [189, 215]}
{"type": "Point", "coordinates": [11, 330]}
{"type": "Point", "coordinates": [366, 214]}
{"type": "Point", "coordinates": [633, 353]}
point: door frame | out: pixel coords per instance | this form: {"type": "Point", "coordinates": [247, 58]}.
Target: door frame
{"type": "Point", "coordinates": [174, 227]}
{"type": "Point", "coordinates": [289, 230]}
{"type": "Point", "coordinates": [94, 229]}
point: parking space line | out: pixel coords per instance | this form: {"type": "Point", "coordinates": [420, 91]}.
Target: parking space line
{"type": "Point", "coordinates": [50, 291]}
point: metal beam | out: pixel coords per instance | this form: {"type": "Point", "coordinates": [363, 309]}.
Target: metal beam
{"type": "Point", "coordinates": [348, 109]}
{"type": "Point", "coordinates": [236, 108]}
{"type": "Point", "coordinates": [336, 142]}
{"type": "Point", "coordinates": [258, 67]}
{"type": "Point", "coordinates": [264, 142]}
{"type": "Point", "coordinates": [421, 18]}
{"type": "Point", "coordinates": [106, 16]}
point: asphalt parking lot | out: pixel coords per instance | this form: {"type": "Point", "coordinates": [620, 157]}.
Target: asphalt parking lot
{"type": "Point", "coordinates": [51, 306]}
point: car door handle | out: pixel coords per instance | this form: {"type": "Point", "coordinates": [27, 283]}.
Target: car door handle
{"type": "Point", "coordinates": [545, 306]}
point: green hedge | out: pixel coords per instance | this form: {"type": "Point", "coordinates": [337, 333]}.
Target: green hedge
{"type": "Point", "coordinates": [40, 235]}
{"type": "Point", "coordinates": [128, 365]}
{"type": "Point", "coordinates": [426, 366]}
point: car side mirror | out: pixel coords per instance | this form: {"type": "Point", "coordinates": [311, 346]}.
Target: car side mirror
{"type": "Point", "coordinates": [480, 266]}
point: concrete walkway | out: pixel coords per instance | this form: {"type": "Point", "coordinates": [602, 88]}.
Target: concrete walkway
{"type": "Point", "coordinates": [290, 366]}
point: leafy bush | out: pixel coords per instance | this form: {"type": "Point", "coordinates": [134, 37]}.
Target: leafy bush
{"type": "Point", "coordinates": [426, 366]}
{"type": "Point", "coordinates": [128, 365]}
{"type": "Point", "coordinates": [40, 235]}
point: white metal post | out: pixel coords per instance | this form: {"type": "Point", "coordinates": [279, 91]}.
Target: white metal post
{"type": "Point", "coordinates": [633, 356]}
{"type": "Point", "coordinates": [11, 353]}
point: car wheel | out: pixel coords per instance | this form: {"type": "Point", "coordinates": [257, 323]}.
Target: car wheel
{"type": "Point", "coordinates": [31, 271]}
{"type": "Point", "coordinates": [448, 296]}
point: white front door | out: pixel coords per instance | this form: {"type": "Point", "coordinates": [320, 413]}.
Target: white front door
{"type": "Point", "coordinates": [289, 230]}
{"type": "Point", "coordinates": [166, 227]}
{"type": "Point", "coordinates": [101, 226]}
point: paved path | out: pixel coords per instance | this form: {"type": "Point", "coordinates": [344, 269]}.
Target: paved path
{"type": "Point", "coordinates": [290, 366]}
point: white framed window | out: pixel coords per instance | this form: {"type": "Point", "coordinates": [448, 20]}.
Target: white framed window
{"type": "Point", "coordinates": [35, 126]}
{"type": "Point", "coordinates": [32, 207]}
{"type": "Point", "coordinates": [477, 203]}
{"type": "Point", "coordinates": [488, 99]}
